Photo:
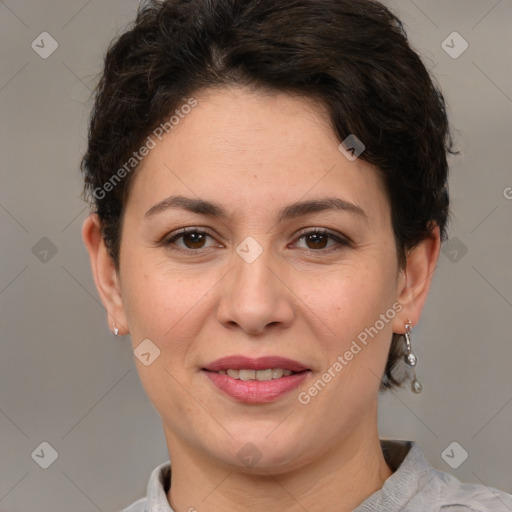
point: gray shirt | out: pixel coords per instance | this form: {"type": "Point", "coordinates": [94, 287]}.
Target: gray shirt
{"type": "Point", "coordinates": [415, 486]}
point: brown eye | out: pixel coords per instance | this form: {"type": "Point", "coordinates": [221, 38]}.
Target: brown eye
{"type": "Point", "coordinates": [317, 240]}
{"type": "Point", "coordinates": [193, 239]}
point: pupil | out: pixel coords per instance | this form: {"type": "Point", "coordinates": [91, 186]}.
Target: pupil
{"type": "Point", "coordinates": [314, 237]}
{"type": "Point", "coordinates": [192, 235]}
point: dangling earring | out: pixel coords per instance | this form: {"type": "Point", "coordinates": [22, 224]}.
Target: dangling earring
{"type": "Point", "coordinates": [410, 359]}
{"type": "Point", "coordinates": [115, 330]}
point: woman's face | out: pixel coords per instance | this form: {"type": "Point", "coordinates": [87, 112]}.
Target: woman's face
{"type": "Point", "coordinates": [253, 283]}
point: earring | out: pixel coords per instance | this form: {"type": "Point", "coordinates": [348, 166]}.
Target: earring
{"type": "Point", "coordinates": [115, 330]}
{"type": "Point", "coordinates": [410, 359]}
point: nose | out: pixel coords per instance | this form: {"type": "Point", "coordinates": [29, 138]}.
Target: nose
{"type": "Point", "coordinates": [256, 296]}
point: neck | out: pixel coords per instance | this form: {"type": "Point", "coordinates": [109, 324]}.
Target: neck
{"type": "Point", "coordinates": [337, 481]}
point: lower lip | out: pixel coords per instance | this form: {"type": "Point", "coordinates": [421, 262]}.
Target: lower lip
{"type": "Point", "coordinates": [255, 391]}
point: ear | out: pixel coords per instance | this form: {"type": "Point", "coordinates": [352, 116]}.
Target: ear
{"type": "Point", "coordinates": [104, 273]}
{"type": "Point", "coordinates": [415, 280]}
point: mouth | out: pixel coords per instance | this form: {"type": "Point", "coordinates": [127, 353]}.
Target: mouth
{"type": "Point", "coordinates": [259, 380]}
{"type": "Point", "coordinates": [261, 375]}
{"type": "Point", "coordinates": [261, 368]}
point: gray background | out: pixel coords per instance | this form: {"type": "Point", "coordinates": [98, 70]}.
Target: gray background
{"type": "Point", "coordinates": [66, 381]}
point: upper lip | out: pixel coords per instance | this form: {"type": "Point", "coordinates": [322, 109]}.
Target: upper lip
{"type": "Point", "coordinates": [239, 362]}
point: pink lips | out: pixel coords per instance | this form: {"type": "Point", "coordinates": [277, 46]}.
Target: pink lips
{"type": "Point", "coordinates": [254, 391]}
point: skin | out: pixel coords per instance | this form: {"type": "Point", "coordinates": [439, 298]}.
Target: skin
{"type": "Point", "coordinates": [255, 153]}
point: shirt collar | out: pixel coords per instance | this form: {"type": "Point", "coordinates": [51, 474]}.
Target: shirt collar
{"type": "Point", "coordinates": [412, 475]}
{"type": "Point", "coordinates": [158, 485]}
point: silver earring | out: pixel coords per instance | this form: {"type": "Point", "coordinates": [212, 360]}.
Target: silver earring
{"type": "Point", "coordinates": [410, 359]}
{"type": "Point", "coordinates": [115, 330]}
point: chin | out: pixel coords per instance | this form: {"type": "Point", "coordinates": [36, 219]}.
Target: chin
{"type": "Point", "coordinates": [262, 454]}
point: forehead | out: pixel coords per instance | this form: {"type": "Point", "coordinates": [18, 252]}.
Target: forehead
{"type": "Point", "coordinates": [256, 147]}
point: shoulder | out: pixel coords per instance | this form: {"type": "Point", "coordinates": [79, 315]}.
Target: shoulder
{"type": "Point", "coordinates": [416, 486]}
{"type": "Point", "coordinates": [457, 496]}
{"type": "Point", "coordinates": [156, 498]}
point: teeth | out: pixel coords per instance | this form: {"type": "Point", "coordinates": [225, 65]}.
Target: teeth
{"type": "Point", "coordinates": [246, 374]}
{"type": "Point", "coordinates": [264, 374]}
{"type": "Point", "coordinates": [277, 373]}
{"type": "Point", "coordinates": [261, 375]}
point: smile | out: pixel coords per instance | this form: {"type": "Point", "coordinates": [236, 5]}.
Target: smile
{"type": "Point", "coordinates": [261, 375]}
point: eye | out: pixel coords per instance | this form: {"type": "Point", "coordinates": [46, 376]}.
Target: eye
{"type": "Point", "coordinates": [193, 239]}
{"type": "Point", "coordinates": [318, 237]}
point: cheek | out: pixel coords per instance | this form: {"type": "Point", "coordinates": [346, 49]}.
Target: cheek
{"type": "Point", "coordinates": [161, 304]}
{"type": "Point", "coordinates": [350, 299]}
{"type": "Point", "coordinates": [161, 308]}
{"type": "Point", "coordinates": [154, 306]}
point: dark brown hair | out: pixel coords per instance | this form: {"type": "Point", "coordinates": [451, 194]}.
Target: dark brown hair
{"type": "Point", "coordinates": [352, 56]}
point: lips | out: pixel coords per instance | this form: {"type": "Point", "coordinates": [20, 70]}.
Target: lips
{"type": "Point", "coordinates": [256, 381]}
{"type": "Point", "coordinates": [239, 362]}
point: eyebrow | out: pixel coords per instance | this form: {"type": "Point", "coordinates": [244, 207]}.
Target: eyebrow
{"type": "Point", "coordinates": [294, 210]}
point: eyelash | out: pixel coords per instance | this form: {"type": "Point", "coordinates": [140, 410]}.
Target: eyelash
{"type": "Point", "coordinates": [168, 241]}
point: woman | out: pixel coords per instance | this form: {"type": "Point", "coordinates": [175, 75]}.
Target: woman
{"type": "Point", "coordinates": [269, 182]}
